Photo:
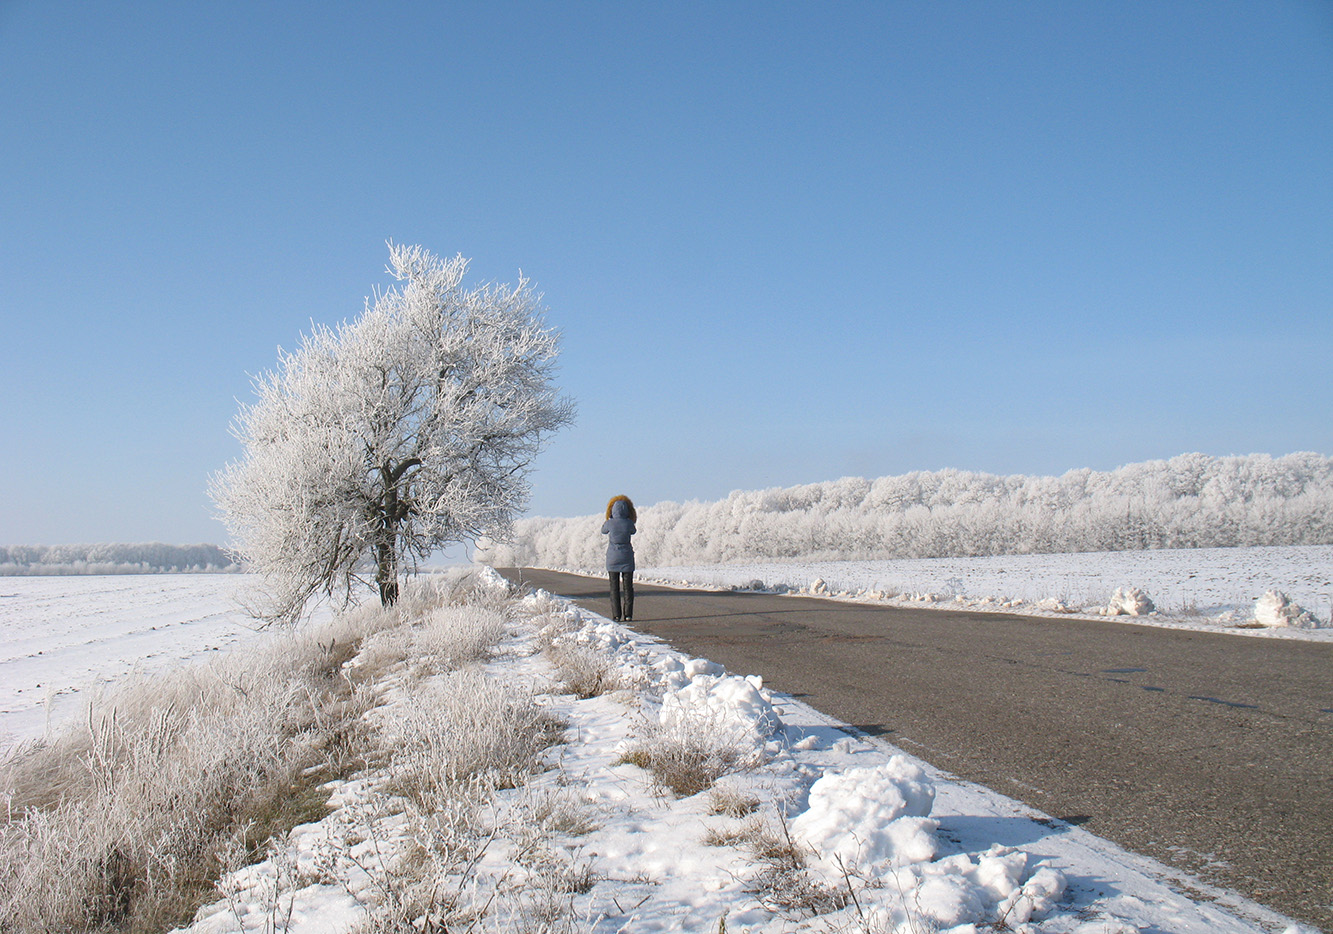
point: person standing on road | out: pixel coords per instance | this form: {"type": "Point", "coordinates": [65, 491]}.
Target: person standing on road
{"type": "Point", "coordinates": [619, 526]}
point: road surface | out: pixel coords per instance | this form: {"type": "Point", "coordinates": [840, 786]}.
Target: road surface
{"type": "Point", "coordinates": [1210, 752]}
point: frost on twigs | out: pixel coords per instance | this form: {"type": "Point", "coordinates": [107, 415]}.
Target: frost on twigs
{"type": "Point", "coordinates": [389, 437]}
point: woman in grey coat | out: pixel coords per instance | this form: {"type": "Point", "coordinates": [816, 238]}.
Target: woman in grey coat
{"type": "Point", "coordinates": [619, 526]}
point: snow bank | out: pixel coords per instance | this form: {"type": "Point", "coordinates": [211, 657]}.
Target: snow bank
{"type": "Point", "coordinates": [868, 820]}
{"type": "Point", "coordinates": [1000, 885]}
{"type": "Point", "coordinates": [1129, 601]}
{"type": "Point", "coordinates": [869, 823]}
{"type": "Point", "coordinates": [734, 711]}
{"type": "Point", "coordinates": [873, 824]}
{"type": "Point", "coordinates": [693, 695]}
{"type": "Point", "coordinates": [1275, 608]}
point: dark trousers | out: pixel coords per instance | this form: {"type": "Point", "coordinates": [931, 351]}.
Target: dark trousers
{"type": "Point", "coordinates": [622, 604]}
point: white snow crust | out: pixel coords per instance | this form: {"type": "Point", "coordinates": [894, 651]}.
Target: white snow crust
{"type": "Point", "coordinates": [1212, 589]}
{"type": "Point", "coordinates": [61, 638]}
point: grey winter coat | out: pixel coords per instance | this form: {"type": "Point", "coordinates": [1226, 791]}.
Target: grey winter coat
{"type": "Point", "coordinates": [619, 551]}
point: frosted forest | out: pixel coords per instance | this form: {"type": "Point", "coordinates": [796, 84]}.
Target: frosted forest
{"type": "Point", "coordinates": [113, 558]}
{"type": "Point", "coordinates": [1189, 501]}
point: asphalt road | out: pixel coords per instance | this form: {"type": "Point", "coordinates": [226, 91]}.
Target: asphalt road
{"type": "Point", "coordinates": [1210, 752]}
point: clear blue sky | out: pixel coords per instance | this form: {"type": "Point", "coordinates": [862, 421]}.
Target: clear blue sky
{"type": "Point", "coordinates": [785, 242]}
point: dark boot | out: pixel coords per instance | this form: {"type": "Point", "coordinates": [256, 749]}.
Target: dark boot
{"type": "Point", "coordinates": [629, 598]}
{"type": "Point", "coordinates": [615, 596]}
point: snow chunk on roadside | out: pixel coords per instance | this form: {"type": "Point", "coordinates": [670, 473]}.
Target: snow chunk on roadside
{"type": "Point", "coordinates": [870, 818]}
{"type": "Point", "coordinates": [977, 889]}
{"type": "Point", "coordinates": [1275, 608]}
{"type": "Point", "coordinates": [874, 823]}
{"type": "Point", "coordinates": [731, 710]}
{"type": "Point", "coordinates": [1129, 601]}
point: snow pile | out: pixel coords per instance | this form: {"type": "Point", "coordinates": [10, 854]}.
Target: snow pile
{"type": "Point", "coordinates": [868, 820]}
{"type": "Point", "coordinates": [1129, 601]}
{"type": "Point", "coordinates": [1275, 608]}
{"type": "Point", "coordinates": [1053, 605]}
{"type": "Point", "coordinates": [695, 696]}
{"type": "Point", "coordinates": [604, 637]}
{"type": "Point", "coordinates": [1000, 885]}
{"type": "Point", "coordinates": [734, 712]}
{"type": "Point", "coordinates": [671, 673]}
{"type": "Point", "coordinates": [873, 823]}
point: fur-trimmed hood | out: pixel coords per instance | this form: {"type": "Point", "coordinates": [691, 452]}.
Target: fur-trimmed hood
{"type": "Point", "coordinates": [628, 506]}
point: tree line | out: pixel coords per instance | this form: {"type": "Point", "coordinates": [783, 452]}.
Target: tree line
{"type": "Point", "coordinates": [1189, 501]}
{"type": "Point", "coordinates": [113, 558]}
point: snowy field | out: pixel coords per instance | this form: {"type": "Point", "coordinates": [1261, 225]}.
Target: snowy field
{"type": "Point", "coordinates": [63, 637]}
{"type": "Point", "coordinates": [1206, 588]}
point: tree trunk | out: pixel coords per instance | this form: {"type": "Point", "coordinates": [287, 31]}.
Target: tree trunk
{"type": "Point", "coordinates": [386, 567]}
{"type": "Point", "coordinates": [386, 551]}
{"type": "Point", "coordinates": [391, 513]}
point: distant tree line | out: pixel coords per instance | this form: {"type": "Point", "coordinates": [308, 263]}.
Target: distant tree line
{"type": "Point", "coordinates": [113, 558]}
{"type": "Point", "coordinates": [1189, 501]}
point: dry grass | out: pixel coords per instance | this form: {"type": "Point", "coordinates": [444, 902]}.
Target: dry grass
{"type": "Point", "coordinates": [748, 833]}
{"type": "Point", "coordinates": [731, 802]}
{"type": "Point", "coordinates": [118, 823]}
{"type": "Point", "coordinates": [561, 811]}
{"type": "Point", "coordinates": [466, 727]}
{"type": "Point", "coordinates": [583, 672]}
{"type": "Point", "coordinates": [784, 884]}
{"type": "Point", "coordinates": [125, 822]}
{"type": "Point", "coordinates": [684, 765]}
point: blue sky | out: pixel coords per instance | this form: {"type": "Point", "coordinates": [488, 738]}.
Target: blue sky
{"type": "Point", "coordinates": [784, 242]}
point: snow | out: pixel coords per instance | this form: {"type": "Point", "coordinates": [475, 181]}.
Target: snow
{"type": "Point", "coordinates": [918, 848]}
{"type": "Point", "coordinates": [870, 819]}
{"type": "Point", "coordinates": [1129, 601]}
{"type": "Point", "coordinates": [63, 637]}
{"type": "Point", "coordinates": [732, 708]}
{"type": "Point", "coordinates": [1213, 589]}
{"type": "Point", "coordinates": [1275, 608]}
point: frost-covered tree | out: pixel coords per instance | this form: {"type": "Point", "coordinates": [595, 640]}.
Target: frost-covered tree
{"type": "Point", "coordinates": [1190, 501]}
{"type": "Point", "coordinates": [394, 435]}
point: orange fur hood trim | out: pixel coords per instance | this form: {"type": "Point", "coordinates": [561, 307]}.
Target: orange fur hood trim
{"type": "Point", "coordinates": [633, 516]}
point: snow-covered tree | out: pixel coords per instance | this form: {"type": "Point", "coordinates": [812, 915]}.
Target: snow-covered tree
{"type": "Point", "coordinates": [394, 435]}
{"type": "Point", "coordinates": [1190, 501]}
